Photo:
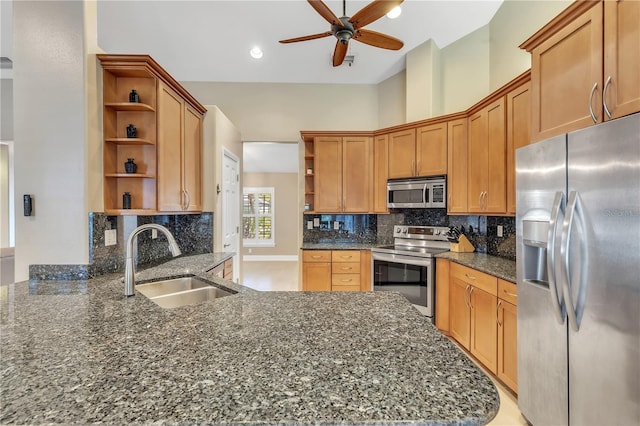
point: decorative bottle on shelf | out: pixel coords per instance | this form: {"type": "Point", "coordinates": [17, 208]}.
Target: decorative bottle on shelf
{"type": "Point", "coordinates": [130, 166]}
{"type": "Point", "coordinates": [126, 201]}
{"type": "Point", "coordinates": [131, 131]}
{"type": "Point", "coordinates": [133, 96]}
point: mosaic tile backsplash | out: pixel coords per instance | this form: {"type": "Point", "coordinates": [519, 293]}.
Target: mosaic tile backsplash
{"type": "Point", "coordinates": [480, 230]}
{"type": "Point", "coordinates": [193, 233]}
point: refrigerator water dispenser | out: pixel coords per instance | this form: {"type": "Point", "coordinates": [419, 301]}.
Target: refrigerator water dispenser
{"type": "Point", "coordinates": [534, 237]}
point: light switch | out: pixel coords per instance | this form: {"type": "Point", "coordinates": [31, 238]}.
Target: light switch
{"type": "Point", "coordinates": [309, 224]}
{"type": "Point", "coordinates": [336, 225]}
{"type": "Point", "coordinates": [110, 237]}
{"type": "Point", "coordinates": [316, 222]}
{"type": "Point", "coordinates": [499, 231]}
{"type": "Point", "coordinates": [154, 233]}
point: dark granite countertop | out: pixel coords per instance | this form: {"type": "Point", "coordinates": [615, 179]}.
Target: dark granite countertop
{"type": "Point", "coordinates": [80, 352]}
{"type": "Point", "coordinates": [497, 266]}
{"type": "Point", "coordinates": [338, 246]}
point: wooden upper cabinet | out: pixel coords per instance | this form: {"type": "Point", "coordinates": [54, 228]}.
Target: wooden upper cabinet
{"type": "Point", "coordinates": [584, 67]}
{"type": "Point", "coordinates": [328, 174]}
{"type": "Point", "coordinates": [402, 154]}
{"type": "Point", "coordinates": [486, 182]}
{"type": "Point", "coordinates": [343, 174]}
{"type": "Point", "coordinates": [431, 150]}
{"type": "Point", "coordinates": [518, 135]}
{"type": "Point", "coordinates": [192, 159]}
{"type": "Point", "coordinates": [357, 157]}
{"type": "Point", "coordinates": [621, 58]}
{"type": "Point", "coordinates": [170, 131]}
{"type": "Point", "coordinates": [457, 166]}
{"type": "Point", "coordinates": [380, 173]}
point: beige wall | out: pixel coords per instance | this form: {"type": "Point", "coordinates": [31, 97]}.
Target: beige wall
{"type": "Point", "coordinates": [286, 210]}
{"type": "Point", "coordinates": [516, 21]}
{"type": "Point", "coordinates": [277, 112]}
{"type": "Point", "coordinates": [50, 133]}
{"type": "Point", "coordinates": [6, 109]}
{"type": "Point", "coordinates": [392, 100]}
{"type": "Point", "coordinates": [423, 82]}
{"type": "Point", "coordinates": [4, 196]}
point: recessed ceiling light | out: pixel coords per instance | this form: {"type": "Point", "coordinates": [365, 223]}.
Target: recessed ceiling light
{"type": "Point", "coordinates": [256, 52]}
{"type": "Point", "coordinates": [394, 13]}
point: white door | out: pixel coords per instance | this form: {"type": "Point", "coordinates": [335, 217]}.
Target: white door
{"type": "Point", "coordinates": [231, 207]}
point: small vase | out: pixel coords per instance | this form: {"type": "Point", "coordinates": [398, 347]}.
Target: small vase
{"type": "Point", "coordinates": [131, 131]}
{"type": "Point", "coordinates": [130, 166]}
{"type": "Point", "coordinates": [126, 201]}
{"type": "Point", "coordinates": [133, 96]}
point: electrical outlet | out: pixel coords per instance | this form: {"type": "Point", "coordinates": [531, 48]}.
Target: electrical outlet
{"type": "Point", "coordinates": [110, 237]}
{"type": "Point", "coordinates": [316, 222]}
{"type": "Point", "coordinates": [499, 231]}
{"type": "Point", "coordinates": [154, 233]}
{"type": "Point", "coordinates": [336, 225]}
{"type": "Point", "coordinates": [309, 224]}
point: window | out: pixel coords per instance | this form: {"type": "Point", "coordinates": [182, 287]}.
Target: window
{"type": "Point", "coordinates": [258, 217]}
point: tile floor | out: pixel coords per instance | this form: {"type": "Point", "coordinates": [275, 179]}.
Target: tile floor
{"type": "Point", "coordinates": [283, 276]}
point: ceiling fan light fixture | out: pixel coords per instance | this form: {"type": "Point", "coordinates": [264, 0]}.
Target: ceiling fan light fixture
{"type": "Point", "coordinates": [256, 52]}
{"type": "Point", "coordinates": [394, 13]}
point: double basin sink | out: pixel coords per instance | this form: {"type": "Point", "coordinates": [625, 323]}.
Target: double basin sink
{"type": "Point", "coordinates": [181, 291]}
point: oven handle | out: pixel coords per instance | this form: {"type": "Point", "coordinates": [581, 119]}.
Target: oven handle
{"type": "Point", "coordinates": [396, 258]}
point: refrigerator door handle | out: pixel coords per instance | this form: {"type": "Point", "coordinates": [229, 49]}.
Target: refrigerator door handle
{"type": "Point", "coordinates": [556, 299]}
{"type": "Point", "coordinates": [574, 311]}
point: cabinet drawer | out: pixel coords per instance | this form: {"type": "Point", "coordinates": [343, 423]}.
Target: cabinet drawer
{"type": "Point", "coordinates": [338, 280]}
{"type": "Point", "coordinates": [346, 288]}
{"type": "Point", "coordinates": [478, 279]}
{"type": "Point", "coordinates": [345, 256]}
{"type": "Point", "coordinates": [508, 291]}
{"type": "Point", "coordinates": [345, 268]}
{"type": "Point", "coordinates": [316, 255]}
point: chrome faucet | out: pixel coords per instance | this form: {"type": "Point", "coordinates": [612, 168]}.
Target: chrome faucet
{"type": "Point", "coordinates": [130, 270]}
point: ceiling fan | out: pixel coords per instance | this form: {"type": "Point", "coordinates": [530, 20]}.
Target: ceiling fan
{"type": "Point", "coordinates": [347, 28]}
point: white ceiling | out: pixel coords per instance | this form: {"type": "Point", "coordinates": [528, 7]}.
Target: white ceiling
{"type": "Point", "coordinates": [210, 40]}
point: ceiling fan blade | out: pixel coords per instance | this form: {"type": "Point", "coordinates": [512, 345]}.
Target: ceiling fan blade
{"type": "Point", "coordinates": [308, 37]}
{"type": "Point", "coordinates": [372, 12]}
{"type": "Point", "coordinates": [325, 12]}
{"type": "Point", "coordinates": [377, 39]}
{"type": "Point", "coordinates": [339, 53]}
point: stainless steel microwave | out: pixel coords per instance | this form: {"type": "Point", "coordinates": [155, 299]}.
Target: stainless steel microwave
{"type": "Point", "coordinates": [417, 193]}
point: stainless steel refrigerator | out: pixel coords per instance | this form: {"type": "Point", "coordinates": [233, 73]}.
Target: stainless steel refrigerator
{"type": "Point", "coordinates": [578, 267]}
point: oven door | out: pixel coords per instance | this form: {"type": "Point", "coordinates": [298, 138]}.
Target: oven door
{"type": "Point", "coordinates": [411, 276]}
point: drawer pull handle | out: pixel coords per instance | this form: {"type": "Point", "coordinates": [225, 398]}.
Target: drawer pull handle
{"type": "Point", "coordinates": [316, 257]}
{"type": "Point", "coordinates": [509, 293]}
{"type": "Point", "coordinates": [344, 280]}
{"type": "Point", "coordinates": [346, 268]}
{"type": "Point", "coordinates": [346, 257]}
{"type": "Point", "coordinates": [498, 313]}
{"type": "Point", "coordinates": [471, 277]}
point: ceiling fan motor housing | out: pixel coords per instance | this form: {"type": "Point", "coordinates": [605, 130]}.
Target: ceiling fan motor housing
{"type": "Point", "coordinates": [343, 32]}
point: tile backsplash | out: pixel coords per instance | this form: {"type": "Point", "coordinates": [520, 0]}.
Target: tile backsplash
{"type": "Point", "coordinates": [193, 233]}
{"type": "Point", "coordinates": [482, 231]}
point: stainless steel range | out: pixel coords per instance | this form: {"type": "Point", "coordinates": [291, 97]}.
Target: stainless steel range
{"type": "Point", "coordinates": [408, 266]}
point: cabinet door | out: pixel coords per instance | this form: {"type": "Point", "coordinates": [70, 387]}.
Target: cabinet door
{"type": "Point", "coordinates": [495, 198]}
{"type": "Point", "coordinates": [459, 315]}
{"type": "Point", "coordinates": [518, 135]}
{"type": "Point", "coordinates": [457, 166]}
{"type": "Point", "coordinates": [170, 134]}
{"type": "Point", "coordinates": [316, 276]}
{"type": "Point", "coordinates": [431, 150]}
{"type": "Point", "coordinates": [477, 161]}
{"type": "Point", "coordinates": [356, 174]}
{"type": "Point", "coordinates": [622, 57]}
{"type": "Point", "coordinates": [192, 154]}
{"type": "Point", "coordinates": [402, 154]}
{"type": "Point", "coordinates": [328, 174]}
{"type": "Point", "coordinates": [442, 295]}
{"type": "Point", "coordinates": [484, 328]}
{"type": "Point", "coordinates": [566, 77]}
{"type": "Point", "coordinates": [380, 173]}
{"type": "Point", "coordinates": [365, 270]}
{"type": "Point", "coordinates": [508, 344]}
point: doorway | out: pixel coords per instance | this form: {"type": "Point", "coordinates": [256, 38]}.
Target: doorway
{"type": "Point", "coordinates": [231, 208]}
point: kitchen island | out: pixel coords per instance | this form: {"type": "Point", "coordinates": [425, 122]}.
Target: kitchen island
{"type": "Point", "coordinates": [80, 352]}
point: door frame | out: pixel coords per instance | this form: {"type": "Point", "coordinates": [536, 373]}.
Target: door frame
{"type": "Point", "coordinates": [230, 156]}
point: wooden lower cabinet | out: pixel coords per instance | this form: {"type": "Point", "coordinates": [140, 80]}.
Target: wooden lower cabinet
{"type": "Point", "coordinates": [508, 334]}
{"type": "Point", "coordinates": [228, 269]}
{"type": "Point", "coordinates": [484, 328]}
{"type": "Point", "coordinates": [336, 270]}
{"type": "Point", "coordinates": [442, 295]}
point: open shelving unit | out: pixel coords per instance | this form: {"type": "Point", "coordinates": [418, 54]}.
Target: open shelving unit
{"type": "Point", "coordinates": [309, 163]}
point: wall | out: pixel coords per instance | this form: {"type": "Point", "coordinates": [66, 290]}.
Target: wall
{"type": "Point", "coordinates": [286, 210]}
{"type": "Point", "coordinates": [516, 21]}
{"type": "Point", "coordinates": [49, 133]}
{"type": "Point", "coordinates": [4, 196]}
{"type": "Point", "coordinates": [392, 101]}
{"type": "Point", "coordinates": [277, 112]}
{"type": "Point", "coordinates": [423, 79]}
{"type": "Point", "coordinates": [465, 71]}
{"type": "Point", "coordinates": [6, 109]}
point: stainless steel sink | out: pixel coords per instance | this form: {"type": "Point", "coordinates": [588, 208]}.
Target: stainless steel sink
{"type": "Point", "coordinates": [180, 292]}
